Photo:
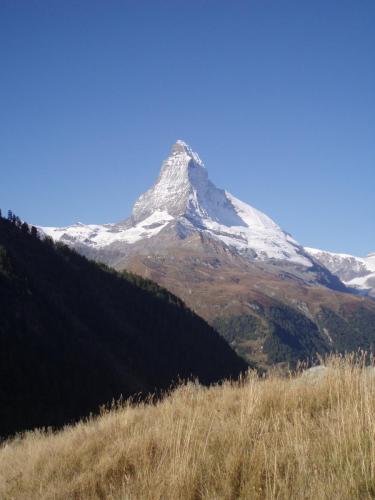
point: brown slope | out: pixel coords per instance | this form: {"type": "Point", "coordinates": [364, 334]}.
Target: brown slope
{"type": "Point", "coordinates": [221, 287]}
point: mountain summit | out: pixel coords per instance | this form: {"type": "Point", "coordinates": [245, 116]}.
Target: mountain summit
{"type": "Point", "coordinates": [185, 198]}
{"type": "Point", "coordinates": [273, 300]}
{"type": "Point", "coordinates": [183, 189]}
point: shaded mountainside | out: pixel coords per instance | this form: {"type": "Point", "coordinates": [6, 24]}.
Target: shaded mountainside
{"type": "Point", "coordinates": [75, 334]}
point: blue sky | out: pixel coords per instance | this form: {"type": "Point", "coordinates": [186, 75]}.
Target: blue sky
{"type": "Point", "coordinates": [278, 98]}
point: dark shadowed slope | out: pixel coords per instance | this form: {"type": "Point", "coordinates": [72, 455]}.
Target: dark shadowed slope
{"type": "Point", "coordinates": [74, 335]}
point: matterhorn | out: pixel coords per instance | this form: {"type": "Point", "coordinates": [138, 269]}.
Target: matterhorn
{"type": "Point", "coordinates": [272, 299]}
{"type": "Point", "coordinates": [183, 198]}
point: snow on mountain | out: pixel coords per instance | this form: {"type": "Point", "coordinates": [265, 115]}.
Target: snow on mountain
{"type": "Point", "coordinates": [184, 194]}
{"type": "Point", "coordinates": [356, 272]}
{"type": "Point", "coordinates": [97, 235]}
{"type": "Point", "coordinates": [363, 282]}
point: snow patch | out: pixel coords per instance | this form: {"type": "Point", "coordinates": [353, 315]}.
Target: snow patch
{"type": "Point", "coordinates": [103, 235]}
{"type": "Point", "coordinates": [353, 271]}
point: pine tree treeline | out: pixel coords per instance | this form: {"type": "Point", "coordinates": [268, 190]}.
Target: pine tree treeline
{"type": "Point", "coordinates": [14, 219]}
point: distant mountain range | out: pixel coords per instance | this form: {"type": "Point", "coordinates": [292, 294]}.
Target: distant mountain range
{"type": "Point", "coordinates": [357, 273]}
{"type": "Point", "coordinates": [273, 299]}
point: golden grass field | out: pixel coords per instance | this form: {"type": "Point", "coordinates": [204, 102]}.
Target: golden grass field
{"type": "Point", "coordinates": [302, 437]}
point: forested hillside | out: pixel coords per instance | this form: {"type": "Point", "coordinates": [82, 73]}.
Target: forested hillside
{"type": "Point", "coordinates": [75, 334]}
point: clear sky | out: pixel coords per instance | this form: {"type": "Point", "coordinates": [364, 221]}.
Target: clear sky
{"type": "Point", "coordinates": [278, 98]}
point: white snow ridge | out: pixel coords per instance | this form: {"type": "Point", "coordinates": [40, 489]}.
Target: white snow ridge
{"type": "Point", "coordinates": [184, 194]}
{"type": "Point", "coordinates": [355, 272]}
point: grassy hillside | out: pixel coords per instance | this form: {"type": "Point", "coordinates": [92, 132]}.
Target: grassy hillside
{"type": "Point", "coordinates": [309, 437]}
{"type": "Point", "coordinates": [74, 335]}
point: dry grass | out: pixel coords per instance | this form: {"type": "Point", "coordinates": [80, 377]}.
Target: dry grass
{"type": "Point", "coordinates": [272, 438]}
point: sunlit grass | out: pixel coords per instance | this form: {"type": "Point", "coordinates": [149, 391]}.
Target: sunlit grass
{"type": "Point", "coordinates": [294, 437]}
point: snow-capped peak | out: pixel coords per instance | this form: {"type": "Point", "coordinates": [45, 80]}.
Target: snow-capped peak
{"type": "Point", "coordinates": [184, 148]}
{"type": "Point", "coordinates": [183, 193]}
{"type": "Point", "coordinates": [183, 189]}
{"type": "Point", "coordinates": [181, 173]}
